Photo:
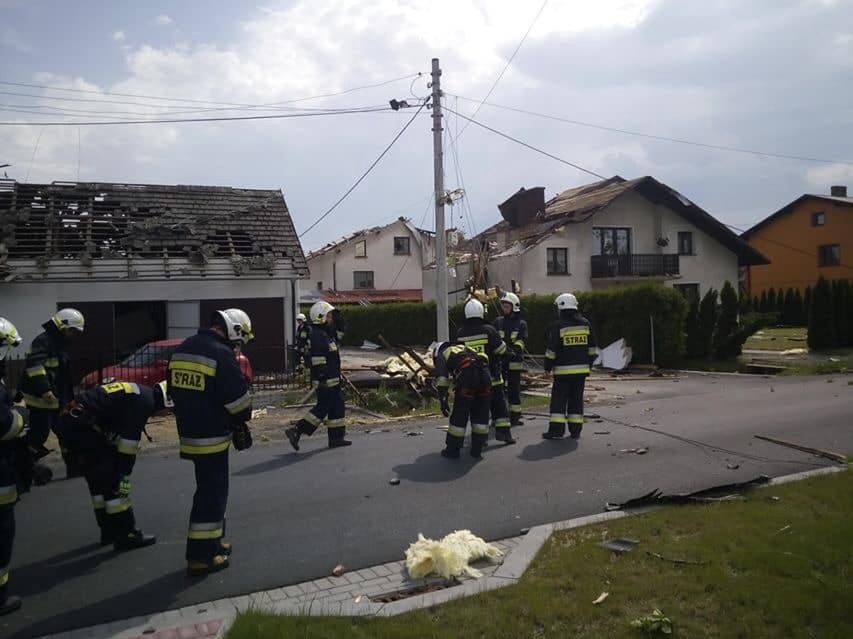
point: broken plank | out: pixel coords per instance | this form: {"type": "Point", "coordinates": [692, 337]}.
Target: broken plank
{"type": "Point", "coordinates": [828, 454]}
{"type": "Point", "coordinates": [396, 353]}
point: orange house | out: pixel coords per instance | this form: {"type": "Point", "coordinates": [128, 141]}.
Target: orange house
{"type": "Point", "coordinates": [810, 237]}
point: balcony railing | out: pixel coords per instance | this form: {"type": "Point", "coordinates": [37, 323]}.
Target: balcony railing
{"type": "Point", "coordinates": [634, 265]}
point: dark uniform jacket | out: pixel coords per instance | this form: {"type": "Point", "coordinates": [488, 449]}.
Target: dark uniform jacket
{"type": "Point", "coordinates": [571, 345]}
{"type": "Point", "coordinates": [454, 361]}
{"type": "Point", "coordinates": [47, 369]}
{"type": "Point", "coordinates": [118, 413]}
{"type": "Point", "coordinates": [322, 355]}
{"type": "Point", "coordinates": [513, 331]}
{"type": "Point", "coordinates": [11, 427]}
{"type": "Point", "coordinates": [482, 338]}
{"type": "Point", "coordinates": [210, 394]}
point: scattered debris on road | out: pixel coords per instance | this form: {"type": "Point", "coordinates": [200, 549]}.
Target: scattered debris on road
{"type": "Point", "coordinates": [601, 432]}
{"type": "Point", "coordinates": [339, 570]}
{"type": "Point", "coordinates": [828, 454]}
{"type": "Point", "coordinates": [732, 466]}
{"type": "Point", "coordinates": [394, 481]}
{"type": "Point", "coordinates": [713, 494]}
{"type": "Point", "coordinates": [783, 529]}
{"type": "Point", "coordinates": [619, 545]}
{"type": "Point", "coordinates": [450, 556]}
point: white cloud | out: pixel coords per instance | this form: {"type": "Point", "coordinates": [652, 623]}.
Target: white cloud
{"type": "Point", "coordinates": [12, 39]}
{"type": "Point", "coordinates": [163, 20]}
{"type": "Point", "coordinates": [119, 35]}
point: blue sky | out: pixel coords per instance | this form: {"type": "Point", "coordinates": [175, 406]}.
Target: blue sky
{"type": "Point", "coordinates": [765, 74]}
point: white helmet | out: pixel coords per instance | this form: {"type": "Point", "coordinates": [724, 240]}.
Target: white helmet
{"type": "Point", "coordinates": [69, 318]}
{"type": "Point", "coordinates": [566, 302]}
{"type": "Point", "coordinates": [319, 311]}
{"type": "Point", "coordinates": [474, 308]}
{"type": "Point", "coordinates": [167, 401]}
{"type": "Point", "coordinates": [512, 298]}
{"type": "Point", "coordinates": [436, 350]}
{"type": "Point", "coordinates": [238, 325]}
{"type": "Point", "coordinates": [301, 317]}
{"type": "Point", "coordinates": [9, 338]}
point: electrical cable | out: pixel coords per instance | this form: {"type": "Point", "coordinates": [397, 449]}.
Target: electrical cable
{"type": "Point", "coordinates": [525, 144]}
{"type": "Point", "coordinates": [369, 169]}
{"type": "Point", "coordinates": [788, 246]}
{"type": "Point", "coordinates": [717, 147]}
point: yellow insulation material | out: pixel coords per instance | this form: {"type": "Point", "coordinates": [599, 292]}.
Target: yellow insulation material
{"type": "Point", "coordinates": [450, 556]}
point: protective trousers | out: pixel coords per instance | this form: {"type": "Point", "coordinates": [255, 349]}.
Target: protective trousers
{"type": "Point", "coordinates": [498, 407]}
{"type": "Point", "coordinates": [207, 517]}
{"type": "Point", "coordinates": [567, 405]}
{"type": "Point", "coordinates": [513, 389]}
{"type": "Point", "coordinates": [8, 497]}
{"type": "Point", "coordinates": [471, 402]}
{"type": "Point", "coordinates": [330, 405]}
{"type": "Point", "coordinates": [42, 422]}
{"type": "Point", "coordinates": [113, 512]}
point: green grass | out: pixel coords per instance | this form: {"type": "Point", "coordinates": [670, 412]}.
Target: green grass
{"type": "Point", "coordinates": [396, 402]}
{"type": "Point", "coordinates": [772, 568]}
{"type": "Point", "coordinates": [843, 365]}
{"type": "Point", "coordinates": [777, 339]}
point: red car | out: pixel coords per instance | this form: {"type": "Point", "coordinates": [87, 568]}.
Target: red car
{"type": "Point", "coordinates": [149, 365]}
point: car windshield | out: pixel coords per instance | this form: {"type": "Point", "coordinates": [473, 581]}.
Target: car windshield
{"type": "Point", "coordinates": [147, 355]}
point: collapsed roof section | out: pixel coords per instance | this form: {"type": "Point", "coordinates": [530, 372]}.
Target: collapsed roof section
{"type": "Point", "coordinates": [68, 231]}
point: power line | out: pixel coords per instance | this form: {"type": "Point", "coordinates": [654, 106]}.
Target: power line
{"type": "Point", "coordinates": [506, 66]}
{"type": "Point", "coordinates": [717, 147]}
{"type": "Point", "coordinates": [788, 246]}
{"type": "Point", "coordinates": [196, 101]}
{"type": "Point", "coordinates": [466, 207]}
{"type": "Point", "coordinates": [278, 116]}
{"type": "Point", "coordinates": [369, 169]}
{"type": "Point", "coordinates": [525, 144]}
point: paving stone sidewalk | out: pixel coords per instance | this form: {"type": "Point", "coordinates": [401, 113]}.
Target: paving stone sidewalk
{"type": "Point", "coordinates": [350, 594]}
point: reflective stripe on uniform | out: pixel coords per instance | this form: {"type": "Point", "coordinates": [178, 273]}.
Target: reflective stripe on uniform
{"type": "Point", "coordinates": [8, 494]}
{"type": "Point", "coordinates": [312, 419]}
{"type": "Point", "coordinates": [571, 370]}
{"type": "Point", "coordinates": [575, 419]}
{"type": "Point", "coordinates": [480, 429]}
{"type": "Point", "coordinates": [190, 362]}
{"type": "Point", "coordinates": [497, 381]}
{"type": "Point", "coordinates": [126, 387]}
{"type": "Point", "coordinates": [98, 502]}
{"type": "Point", "coordinates": [500, 350]}
{"type": "Point", "coordinates": [205, 530]}
{"type": "Point", "coordinates": [558, 418]}
{"type": "Point", "coordinates": [36, 371]}
{"type": "Point", "coordinates": [116, 506]}
{"type": "Point", "coordinates": [332, 382]}
{"type": "Point", "coordinates": [516, 366]}
{"type": "Point", "coordinates": [503, 422]}
{"type": "Point", "coordinates": [456, 431]}
{"type": "Point", "coordinates": [574, 330]}
{"type": "Point", "coordinates": [594, 350]}
{"type": "Point", "coordinates": [549, 354]}
{"type": "Point", "coordinates": [335, 423]}
{"type": "Point", "coordinates": [204, 445]}
{"type": "Point", "coordinates": [4, 576]}
{"type": "Point", "coordinates": [442, 382]}
{"type": "Point", "coordinates": [515, 408]}
{"type": "Point", "coordinates": [240, 404]}
{"type": "Point", "coordinates": [127, 446]}
{"type": "Point", "coordinates": [317, 361]}
{"type": "Point", "coordinates": [17, 426]}
{"type": "Point", "coordinates": [52, 362]}
{"type": "Point", "coordinates": [37, 402]}
{"type": "Point", "coordinates": [519, 343]}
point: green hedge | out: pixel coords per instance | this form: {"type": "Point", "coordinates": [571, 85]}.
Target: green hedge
{"type": "Point", "coordinates": [615, 313]}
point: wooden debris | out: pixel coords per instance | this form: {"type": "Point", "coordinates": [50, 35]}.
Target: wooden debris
{"type": "Point", "coordinates": [828, 454]}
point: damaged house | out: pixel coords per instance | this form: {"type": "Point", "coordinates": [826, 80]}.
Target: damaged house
{"type": "Point", "coordinates": [148, 262]}
{"type": "Point", "coordinates": [609, 233]}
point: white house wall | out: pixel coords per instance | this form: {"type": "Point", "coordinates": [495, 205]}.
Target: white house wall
{"type": "Point", "coordinates": [380, 259]}
{"type": "Point", "coordinates": [30, 304]}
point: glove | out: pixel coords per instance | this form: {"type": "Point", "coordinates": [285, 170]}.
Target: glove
{"type": "Point", "coordinates": [123, 487]}
{"type": "Point", "coordinates": [445, 404]}
{"type": "Point", "coordinates": [242, 437]}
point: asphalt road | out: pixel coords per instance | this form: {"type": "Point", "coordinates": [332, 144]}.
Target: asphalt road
{"type": "Point", "coordinates": [294, 516]}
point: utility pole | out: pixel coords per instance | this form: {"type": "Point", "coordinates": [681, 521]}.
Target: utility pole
{"type": "Point", "coordinates": [442, 332]}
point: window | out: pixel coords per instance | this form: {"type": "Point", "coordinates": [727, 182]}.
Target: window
{"type": "Point", "coordinates": [362, 279]}
{"type": "Point", "coordinates": [611, 241]}
{"type": "Point", "coordinates": [818, 219]}
{"type": "Point", "coordinates": [319, 286]}
{"type": "Point", "coordinates": [558, 261]}
{"type": "Point", "coordinates": [401, 246]}
{"type": "Point", "coordinates": [689, 291]}
{"type": "Point", "coordinates": [829, 255]}
{"type": "Point", "coordinates": [685, 243]}
{"type": "Point", "coordinates": [361, 249]}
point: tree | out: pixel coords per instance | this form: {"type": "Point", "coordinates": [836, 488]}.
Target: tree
{"type": "Point", "coordinates": [691, 328]}
{"type": "Point", "coordinates": [706, 322]}
{"type": "Point", "coordinates": [771, 301]}
{"type": "Point", "coordinates": [821, 319]}
{"type": "Point", "coordinates": [725, 329]}
{"type": "Point", "coordinates": [841, 307]}
{"type": "Point", "coordinates": [756, 304]}
{"type": "Point", "coordinates": [800, 315]}
{"type": "Point", "coordinates": [807, 305]}
{"type": "Point", "coordinates": [762, 305]}
{"type": "Point", "coordinates": [788, 311]}
{"type": "Point", "coordinates": [780, 301]}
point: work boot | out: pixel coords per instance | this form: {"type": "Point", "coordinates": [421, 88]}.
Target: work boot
{"type": "Point", "coordinates": [575, 431]}
{"type": "Point", "coordinates": [504, 435]}
{"type": "Point", "coordinates": [339, 443]}
{"type": "Point", "coordinates": [450, 453]}
{"type": "Point", "coordinates": [133, 540]}
{"type": "Point", "coordinates": [477, 453]}
{"type": "Point", "coordinates": [551, 435]}
{"type": "Point", "coordinates": [10, 604]}
{"type": "Point", "coordinates": [515, 419]}
{"type": "Point", "coordinates": [293, 436]}
{"type": "Point", "coordinates": [107, 537]}
{"type": "Point", "coordinates": [202, 568]}
{"type": "Point", "coordinates": [225, 548]}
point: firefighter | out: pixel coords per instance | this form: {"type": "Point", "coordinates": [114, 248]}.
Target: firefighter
{"type": "Point", "coordinates": [472, 385]}
{"type": "Point", "coordinates": [324, 359]}
{"type": "Point", "coordinates": [301, 341]}
{"type": "Point", "coordinates": [513, 331]}
{"type": "Point", "coordinates": [482, 338]}
{"type": "Point", "coordinates": [46, 383]}
{"type": "Point", "coordinates": [101, 429]}
{"type": "Point", "coordinates": [571, 351]}
{"type": "Point", "coordinates": [212, 408]}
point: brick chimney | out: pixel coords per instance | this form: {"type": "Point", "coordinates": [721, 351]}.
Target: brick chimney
{"type": "Point", "coordinates": [838, 191]}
